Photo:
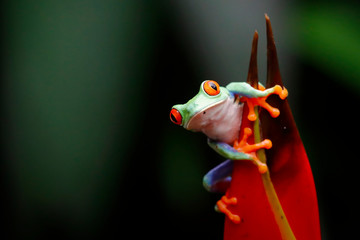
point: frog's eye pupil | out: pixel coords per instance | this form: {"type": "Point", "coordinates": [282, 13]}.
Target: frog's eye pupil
{"type": "Point", "coordinates": [211, 87]}
{"type": "Point", "coordinates": [172, 117]}
{"type": "Point", "coordinates": [175, 116]}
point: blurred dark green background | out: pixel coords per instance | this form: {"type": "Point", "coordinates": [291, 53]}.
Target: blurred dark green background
{"type": "Point", "coordinates": [88, 150]}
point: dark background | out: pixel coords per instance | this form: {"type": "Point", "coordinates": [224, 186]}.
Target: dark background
{"type": "Point", "coordinates": [88, 150]}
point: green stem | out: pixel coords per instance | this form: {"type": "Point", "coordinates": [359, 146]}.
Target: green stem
{"type": "Point", "coordinates": [280, 218]}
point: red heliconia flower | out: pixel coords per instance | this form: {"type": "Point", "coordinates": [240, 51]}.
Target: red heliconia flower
{"type": "Point", "coordinates": [280, 203]}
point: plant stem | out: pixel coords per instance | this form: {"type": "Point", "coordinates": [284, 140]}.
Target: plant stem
{"type": "Point", "coordinates": [280, 218]}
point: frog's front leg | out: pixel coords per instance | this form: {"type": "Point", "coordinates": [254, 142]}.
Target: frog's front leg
{"type": "Point", "coordinates": [228, 151]}
{"type": "Point", "coordinates": [245, 147]}
{"type": "Point", "coordinates": [242, 150]}
{"type": "Point", "coordinates": [257, 97]}
{"type": "Point", "coordinates": [246, 90]}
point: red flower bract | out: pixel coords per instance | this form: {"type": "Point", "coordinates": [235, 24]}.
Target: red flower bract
{"type": "Point", "coordinates": [289, 172]}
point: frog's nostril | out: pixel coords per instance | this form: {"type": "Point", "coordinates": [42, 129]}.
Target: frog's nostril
{"type": "Point", "coordinates": [175, 116]}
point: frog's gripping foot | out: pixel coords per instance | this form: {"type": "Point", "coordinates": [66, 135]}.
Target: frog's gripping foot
{"type": "Point", "coordinates": [222, 206]}
{"type": "Point", "coordinates": [261, 101]}
{"type": "Point", "coordinates": [244, 146]}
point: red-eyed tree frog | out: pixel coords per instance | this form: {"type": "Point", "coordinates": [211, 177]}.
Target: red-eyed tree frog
{"type": "Point", "coordinates": [217, 112]}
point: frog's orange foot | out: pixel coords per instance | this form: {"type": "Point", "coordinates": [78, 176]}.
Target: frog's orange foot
{"type": "Point", "coordinates": [261, 101]}
{"type": "Point", "coordinates": [245, 147]}
{"type": "Point", "coordinates": [222, 206]}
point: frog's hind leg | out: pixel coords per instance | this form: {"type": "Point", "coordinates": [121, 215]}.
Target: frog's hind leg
{"type": "Point", "coordinates": [218, 179]}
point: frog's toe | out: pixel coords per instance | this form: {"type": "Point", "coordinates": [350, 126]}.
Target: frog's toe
{"type": "Point", "coordinates": [235, 218]}
{"type": "Point", "coordinates": [267, 143]}
{"type": "Point", "coordinates": [274, 112]}
{"type": "Point", "coordinates": [262, 167]}
{"type": "Point", "coordinates": [281, 92]}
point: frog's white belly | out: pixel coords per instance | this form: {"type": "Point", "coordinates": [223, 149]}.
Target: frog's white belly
{"type": "Point", "coordinates": [220, 122]}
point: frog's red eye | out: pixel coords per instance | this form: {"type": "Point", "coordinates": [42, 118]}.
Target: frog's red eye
{"type": "Point", "coordinates": [211, 87]}
{"type": "Point", "coordinates": [175, 116]}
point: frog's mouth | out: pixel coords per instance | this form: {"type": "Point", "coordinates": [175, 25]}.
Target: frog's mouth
{"type": "Point", "coordinates": [199, 119]}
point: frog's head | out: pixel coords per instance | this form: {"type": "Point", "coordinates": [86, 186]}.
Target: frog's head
{"type": "Point", "coordinates": [209, 95]}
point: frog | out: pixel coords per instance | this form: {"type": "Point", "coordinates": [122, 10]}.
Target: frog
{"type": "Point", "coordinates": [217, 112]}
